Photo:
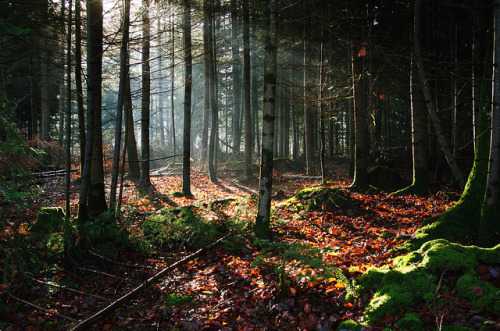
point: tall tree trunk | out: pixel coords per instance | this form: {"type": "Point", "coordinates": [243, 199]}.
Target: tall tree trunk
{"type": "Point", "coordinates": [68, 111]}
{"type": "Point", "coordinates": [419, 136]}
{"type": "Point", "coordinates": [361, 132]}
{"type": "Point", "coordinates": [45, 88]}
{"type": "Point", "coordinates": [431, 105]}
{"type": "Point", "coordinates": [160, 98]}
{"type": "Point", "coordinates": [188, 62]}
{"type": "Point", "coordinates": [490, 213]}
{"type": "Point", "coordinates": [262, 220]}
{"type": "Point", "coordinates": [92, 187]}
{"type": "Point", "coordinates": [235, 23]}
{"type": "Point", "coordinates": [134, 171]}
{"type": "Point", "coordinates": [214, 122]}
{"type": "Point", "coordinates": [172, 84]}
{"type": "Point", "coordinates": [254, 72]}
{"type": "Point", "coordinates": [146, 96]}
{"type": "Point", "coordinates": [322, 113]}
{"type": "Point", "coordinates": [61, 85]}
{"type": "Point", "coordinates": [119, 108]}
{"type": "Point", "coordinates": [78, 82]}
{"type": "Point", "coordinates": [247, 111]}
{"type": "Point", "coordinates": [206, 76]}
{"type": "Point", "coordinates": [308, 115]}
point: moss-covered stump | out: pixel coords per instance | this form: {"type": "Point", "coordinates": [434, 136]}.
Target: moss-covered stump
{"type": "Point", "coordinates": [48, 220]}
{"type": "Point", "coordinates": [438, 267]}
{"type": "Point", "coordinates": [384, 178]}
{"type": "Point", "coordinates": [319, 198]}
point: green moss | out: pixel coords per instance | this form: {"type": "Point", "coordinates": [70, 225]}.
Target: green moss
{"type": "Point", "coordinates": [478, 292]}
{"type": "Point", "coordinates": [455, 328]}
{"type": "Point", "coordinates": [441, 255]}
{"type": "Point", "coordinates": [319, 198]}
{"type": "Point", "coordinates": [411, 322]}
{"type": "Point", "coordinates": [415, 278]}
{"type": "Point", "coordinates": [48, 220]}
{"type": "Point", "coordinates": [350, 326]}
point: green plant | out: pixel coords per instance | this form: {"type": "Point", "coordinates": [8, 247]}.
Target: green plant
{"type": "Point", "coordinates": [174, 300]}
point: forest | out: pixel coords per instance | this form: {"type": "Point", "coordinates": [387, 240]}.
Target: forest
{"type": "Point", "coordinates": [249, 165]}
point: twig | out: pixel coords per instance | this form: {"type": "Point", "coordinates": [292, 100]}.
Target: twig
{"type": "Point", "coordinates": [44, 310]}
{"type": "Point", "coordinates": [119, 263]}
{"type": "Point", "coordinates": [84, 325]}
{"type": "Point", "coordinates": [70, 289]}
{"type": "Point", "coordinates": [108, 275]}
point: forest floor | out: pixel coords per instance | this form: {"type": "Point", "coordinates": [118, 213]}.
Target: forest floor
{"type": "Point", "coordinates": [240, 284]}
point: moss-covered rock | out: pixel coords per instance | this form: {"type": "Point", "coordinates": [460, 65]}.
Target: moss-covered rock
{"type": "Point", "coordinates": [416, 275]}
{"type": "Point", "coordinates": [350, 326]}
{"type": "Point", "coordinates": [319, 198]}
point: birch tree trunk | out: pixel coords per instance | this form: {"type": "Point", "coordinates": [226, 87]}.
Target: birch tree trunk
{"type": "Point", "coordinates": [261, 227]}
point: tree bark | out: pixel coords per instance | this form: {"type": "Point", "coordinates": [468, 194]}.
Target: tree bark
{"type": "Point", "coordinates": [134, 170]}
{"type": "Point", "coordinates": [78, 82]}
{"type": "Point", "coordinates": [68, 112]}
{"type": "Point", "coordinates": [146, 96]}
{"type": "Point", "coordinates": [119, 108]}
{"type": "Point", "coordinates": [261, 227]}
{"type": "Point", "coordinates": [214, 122]}
{"type": "Point", "coordinates": [247, 111]}
{"type": "Point", "coordinates": [490, 213]}
{"type": "Point", "coordinates": [188, 62]}
{"type": "Point", "coordinates": [235, 23]}
{"type": "Point", "coordinates": [206, 76]}
{"type": "Point", "coordinates": [308, 115]}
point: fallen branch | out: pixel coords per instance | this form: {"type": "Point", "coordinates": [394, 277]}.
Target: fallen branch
{"type": "Point", "coordinates": [43, 310]}
{"type": "Point", "coordinates": [119, 263]}
{"type": "Point", "coordinates": [300, 177]}
{"type": "Point", "coordinates": [70, 289]}
{"type": "Point", "coordinates": [85, 324]}
{"type": "Point", "coordinates": [108, 275]}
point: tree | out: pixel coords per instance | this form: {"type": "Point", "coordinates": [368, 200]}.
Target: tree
{"type": "Point", "coordinates": [93, 172]}
{"type": "Point", "coordinates": [214, 119]}
{"type": "Point", "coordinates": [262, 220]}
{"type": "Point", "coordinates": [490, 211]}
{"type": "Point", "coordinates": [206, 76]}
{"type": "Point", "coordinates": [246, 89]}
{"type": "Point", "coordinates": [119, 109]}
{"type": "Point", "coordinates": [188, 81]}
{"type": "Point", "coordinates": [146, 95]}
{"type": "Point", "coordinates": [419, 136]}
{"type": "Point", "coordinates": [78, 82]}
{"type": "Point", "coordinates": [236, 77]}
{"type": "Point", "coordinates": [429, 99]}
{"type": "Point", "coordinates": [68, 112]}
{"type": "Point", "coordinates": [361, 132]}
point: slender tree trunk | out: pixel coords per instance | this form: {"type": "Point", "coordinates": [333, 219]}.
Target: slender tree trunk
{"type": "Point", "coordinates": [235, 30]}
{"type": "Point", "coordinates": [431, 105]}
{"type": "Point", "coordinates": [254, 93]}
{"type": "Point", "coordinates": [45, 89]}
{"type": "Point", "coordinates": [78, 82]}
{"type": "Point", "coordinates": [490, 213]}
{"type": "Point", "coordinates": [261, 228]}
{"type": "Point", "coordinates": [172, 85]}
{"type": "Point", "coordinates": [214, 125]}
{"type": "Point", "coordinates": [68, 111]}
{"type": "Point", "coordinates": [146, 96]}
{"type": "Point", "coordinates": [119, 108]}
{"type": "Point", "coordinates": [206, 76]}
{"type": "Point", "coordinates": [322, 114]}
{"type": "Point", "coordinates": [247, 111]}
{"type": "Point", "coordinates": [308, 116]}
{"type": "Point", "coordinates": [160, 77]}
{"type": "Point", "coordinates": [134, 170]}
{"type": "Point", "coordinates": [188, 62]}
{"type": "Point", "coordinates": [361, 132]}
